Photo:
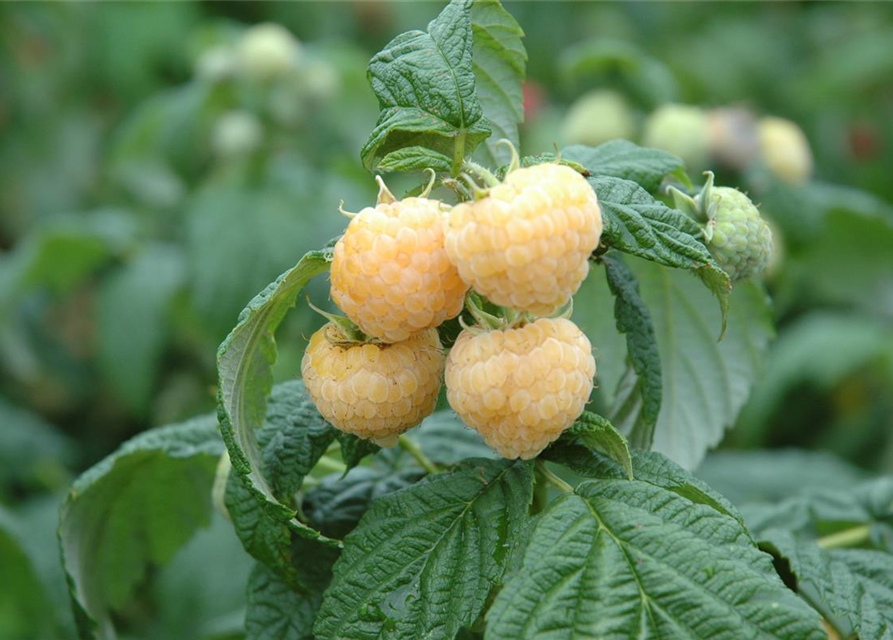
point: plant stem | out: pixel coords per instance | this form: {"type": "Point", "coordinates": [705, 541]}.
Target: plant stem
{"type": "Point", "coordinates": [458, 154]}
{"type": "Point", "coordinates": [413, 449]}
{"type": "Point", "coordinates": [481, 172]}
{"type": "Point", "coordinates": [554, 480]}
{"type": "Point", "coordinates": [846, 538]}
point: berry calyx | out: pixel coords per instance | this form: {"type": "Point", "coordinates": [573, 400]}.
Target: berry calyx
{"type": "Point", "coordinates": [520, 388]}
{"type": "Point", "coordinates": [526, 242]}
{"type": "Point", "coordinates": [735, 233]}
{"type": "Point", "coordinates": [375, 391]}
{"type": "Point", "coordinates": [391, 274]}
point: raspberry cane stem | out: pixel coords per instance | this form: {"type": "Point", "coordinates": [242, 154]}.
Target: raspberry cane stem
{"type": "Point", "coordinates": [413, 449]}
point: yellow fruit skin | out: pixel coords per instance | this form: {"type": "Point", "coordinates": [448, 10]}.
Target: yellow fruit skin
{"type": "Point", "coordinates": [374, 391]}
{"type": "Point", "coordinates": [391, 274]}
{"type": "Point", "coordinates": [785, 150]}
{"type": "Point", "coordinates": [526, 245]}
{"type": "Point", "coordinates": [520, 388]}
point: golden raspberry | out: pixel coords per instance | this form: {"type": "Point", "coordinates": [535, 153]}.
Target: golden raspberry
{"type": "Point", "coordinates": [391, 274]}
{"type": "Point", "coordinates": [520, 388]}
{"type": "Point", "coordinates": [785, 150]}
{"type": "Point", "coordinates": [526, 245]}
{"type": "Point", "coordinates": [374, 391]}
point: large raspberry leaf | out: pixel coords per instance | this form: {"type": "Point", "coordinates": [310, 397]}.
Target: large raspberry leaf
{"type": "Point", "coordinates": [499, 61]}
{"type": "Point", "coordinates": [628, 161]}
{"type": "Point", "coordinates": [424, 560]}
{"type": "Point", "coordinates": [425, 86]}
{"type": "Point", "coordinates": [634, 321]}
{"type": "Point", "coordinates": [852, 588]}
{"type": "Point", "coordinates": [245, 379]}
{"type": "Point", "coordinates": [637, 224]}
{"type": "Point", "coordinates": [629, 559]}
{"type": "Point", "coordinates": [133, 510]}
{"type": "Point", "coordinates": [705, 383]}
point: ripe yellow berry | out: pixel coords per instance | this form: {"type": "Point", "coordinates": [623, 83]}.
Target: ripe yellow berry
{"type": "Point", "coordinates": [374, 391]}
{"type": "Point", "coordinates": [520, 388]}
{"type": "Point", "coordinates": [785, 150]}
{"type": "Point", "coordinates": [526, 245]}
{"type": "Point", "coordinates": [390, 272]}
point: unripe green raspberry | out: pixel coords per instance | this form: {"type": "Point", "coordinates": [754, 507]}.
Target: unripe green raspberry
{"type": "Point", "coordinates": [597, 117]}
{"type": "Point", "coordinates": [785, 150]}
{"type": "Point", "coordinates": [526, 245]}
{"type": "Point", "coordinates": [390, 272]}
{"type": "Point", "coordinates": [374, 391]}
{"type": "Point", "coordinates": [738, 237]}
{"type": "Point", "coordinates": [267, 51]}
{"type": "Point", "coordinates": [682, 130]}
{"type": "Point", "coordinates": [520, 388]}
{"type": "Point", "coordinates": [236, 134]}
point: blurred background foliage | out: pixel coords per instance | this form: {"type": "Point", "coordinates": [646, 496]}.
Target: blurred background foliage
{"type": "Point", "coordinates": [158, 169]}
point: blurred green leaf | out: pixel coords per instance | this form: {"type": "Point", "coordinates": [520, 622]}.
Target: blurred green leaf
{"type": "Point", "coordinates": [25, 608]}
{"type": "Point", "coordinates": [32, 452]}
{"type": "Point", "coordinates": [802, 356]}
{"type": "Point", "coordinates": [649, 78]}
{"type": "Point", "coordinates": [133, 321]}
{"type": "Point", "coordinates": [771, 475]}
{"type": "Point", "coordinates": [200, 593]}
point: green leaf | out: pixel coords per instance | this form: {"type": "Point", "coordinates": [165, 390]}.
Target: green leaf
{"type": "Point", "coordinates": [415, 159]}
{"type": "Point", "coordinates": [244, 367]}
{"type": "Point", "coordinates": [634, 321]}
{"type": "Point", "coordinates": [800, 357]}
{"type": "Point", "coordinates": [446, 440]}
{"type": "Point", "coordinates": [354, 449]}
{"type": "Point", "coordinates": [425, 86]}
{"type": "Point", "coordinates": [705, 383]}
{"type": "Point", "coordinates": [200, 593]}
{"type": "Point", "coordinates": [637, 224]}
{"type": "Point", "coordinates": [63, 252]}
{"type": "Point", "coordinates": [625, 160]}
{"type": "Point", "coordinates": [771, 475]}
{"type": "Point", "coordinates": [262, 227]}
{"type": "Point", "coordinates": [423, 560]}
{"type": "Point", "coordinates": [827, 511]}
{"type": "Point", "coordinates": [647, 466]}
{"type": "Point", "coordinates": [134, 510]}
{"type": "Point", "coordinates": [852, 588]}
{"type": "Point", "coordinates": [292, 440]}
{"type": "Point", "coordinates": [133, 308]}
{"type": "Point", "coordinates": [627, 559]}
{"type": "Point", "coordinates": [275, 611]}
{"type": "Point", "coordinates": [600, 59]}
{"type": "Point", "coordinates": [337, 504]}
{"type": "Point", "coordinates": [499, 62]}
{"type": "Point", "coordinates": [32, 452]}
{"type": "Point", "coordinates": [595, 432]}
{"type": "Point", "coordinates": [26, 610]}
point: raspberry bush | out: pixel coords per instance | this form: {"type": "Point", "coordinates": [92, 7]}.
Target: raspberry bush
{"type": "Point", "coordinates": [492, 436]}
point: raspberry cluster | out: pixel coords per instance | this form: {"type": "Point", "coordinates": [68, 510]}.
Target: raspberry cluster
{"type": "Point", "coordinates": [403, 267]}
